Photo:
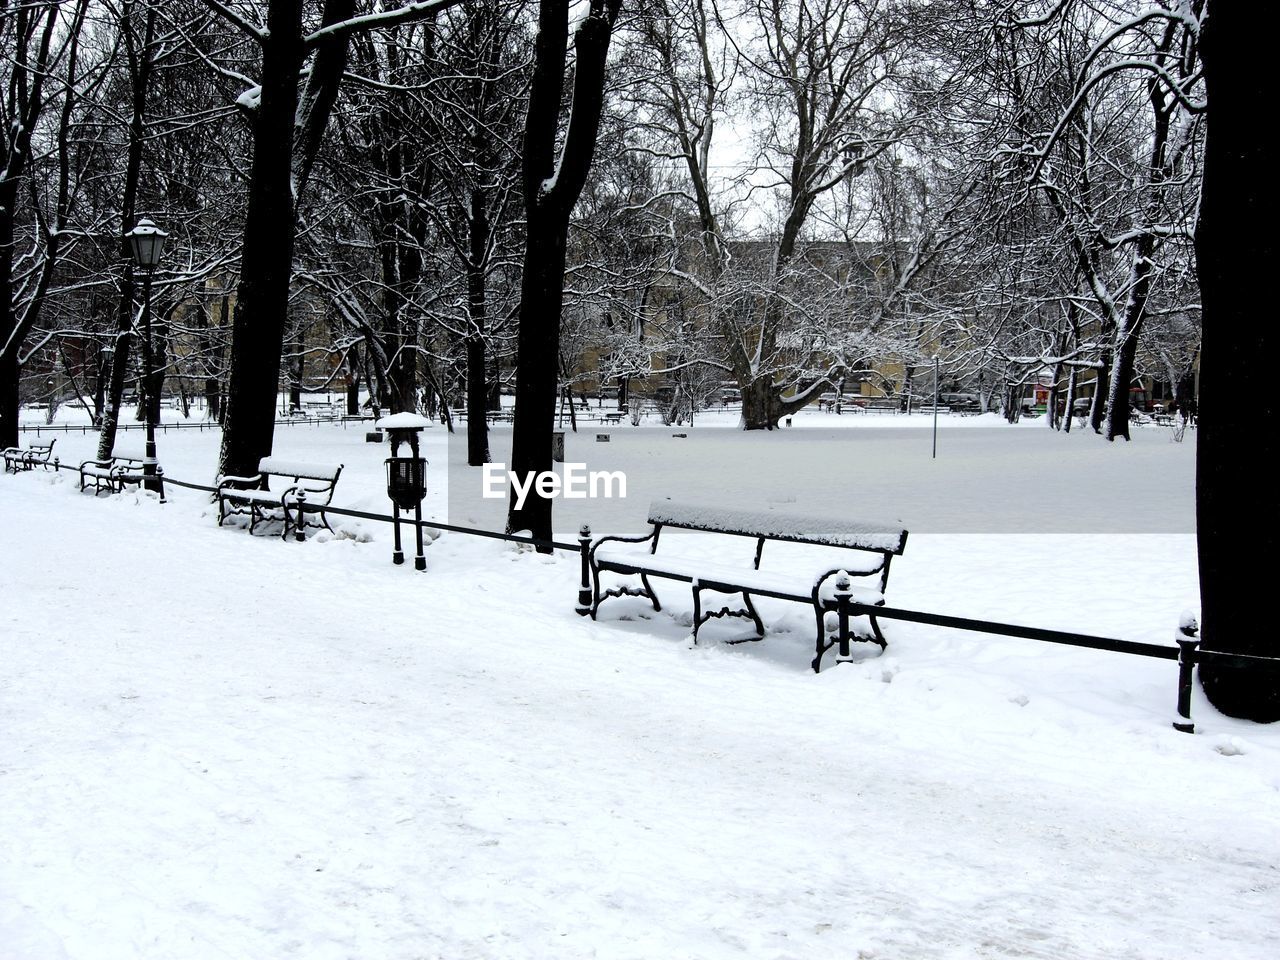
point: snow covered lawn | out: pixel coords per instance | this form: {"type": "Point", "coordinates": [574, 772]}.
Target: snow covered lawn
{"type": "Point", "coordinates": [221, 746]}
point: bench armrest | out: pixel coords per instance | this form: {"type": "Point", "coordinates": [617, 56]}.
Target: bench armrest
{"type": "Point", "coordinates": [238, 483]}
{"type": "Point", "coordinates": [95, 463]}
{"type": "Point", "coordinates": [603, 540]}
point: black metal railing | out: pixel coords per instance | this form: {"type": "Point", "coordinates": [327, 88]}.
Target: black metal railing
{"type": "Point", "coordinates": [201, 425]}
{"type": "Point", "coordinates": [1187, 652]}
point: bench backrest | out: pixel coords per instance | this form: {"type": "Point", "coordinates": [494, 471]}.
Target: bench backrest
{"type": "Point", "coordinates": [42, 446]}
{"type": "Point", "coordinates": [278, 467]}
{"type": "Point", "coordinates": [323, 477]}
{"type": "Point", "coordinates": [127, 453]}
{"type": "Point", "coordinates": [765, 523]}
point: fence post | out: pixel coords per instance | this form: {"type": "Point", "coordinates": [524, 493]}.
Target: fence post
{"type": "Point", "coordinates": [160, 482]}
{"type": "Point", "coordinates": [1188, 641]}
{"type": "Point", "coordinates": [584, 587]}
{"type": "Point", "coordinates": [300, 528]}
{"type": "Point", "coordinates": [843, 594]}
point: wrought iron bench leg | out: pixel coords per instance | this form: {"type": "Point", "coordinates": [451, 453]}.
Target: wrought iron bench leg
{"type": "Point", "coordinates": [653, 596]}
{"type": "Point", "coordinates": [875, 629]}
{"type": "Point", "coordinates": [697, 611]}
{"type": "Point", "coordinates": [595, 590]}
{"type": "Point", "coordinates": [755, 617]}
{"type": "Point", "coordinates": [821, 644]}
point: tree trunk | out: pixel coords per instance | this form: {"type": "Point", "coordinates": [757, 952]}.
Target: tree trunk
{"type": "Point", "coordinates": [1126, 350]}
{"type": "Point", "coordinates": [552, 185]}
{"type": "Point", "coordinates": [141, 68]}
{"type": "Point", "coordinates": [153, 379]}
{"type": "Point", "coordinates": [1070, 404]}
{"type": "Point", "coordinates": [295, 378]}
{"type": "Point", "coordinates": [121, 357]}
{"type": "Point", "coordinates": [1236, 254]}
{"type": "Point", "coordinates": [1098, 408]}
{"type": "Point", "coordinates": [8, 358]}
{"type": "Point", "coordinates": [538, 350]}
{"type": "Point", "coordinates": [353, 384]}
{"type": "Point", "coordinates": [262, 296]}
{"type": "Point", "coordinates": [760, 407]}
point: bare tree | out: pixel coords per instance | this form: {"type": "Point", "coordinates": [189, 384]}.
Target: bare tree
{"type": "Point", "coordinates": [553, 177]}
{"type": "Point", "coordinates": [288, 129]}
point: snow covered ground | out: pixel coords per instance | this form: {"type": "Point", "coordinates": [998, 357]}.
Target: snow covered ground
{"type": "Point", "coordinates": [222, 746]}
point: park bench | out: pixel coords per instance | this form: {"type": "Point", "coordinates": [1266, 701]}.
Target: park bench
{"type": "Point", "coordinates": [871, 545]}
{"type": "Point", "coordinates": [252, 496]}
{"type": "Point", "coordinates": [37, 452]}
{"type": "Point", "coordinates": [122, 467]}
{"type": "Point", "coordinates": [882, 406]}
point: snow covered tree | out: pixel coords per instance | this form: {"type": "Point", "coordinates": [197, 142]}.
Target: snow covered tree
{"type": "Point", "coordinates": [40, 74]}
{"type": "Point", "coordinates": [289, 116]}
{"type": "Point", "coordinates": [554, 172]}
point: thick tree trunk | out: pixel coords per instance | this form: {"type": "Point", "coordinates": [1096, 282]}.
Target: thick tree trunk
{"type": "Point", "coordinates": [1068, 408]}
{"type": "Point", "coordinates": [1126, 349]}
{"type": "Point", "coordinates": [8, 358]}
{"type": "Point", "coordinates": [9, 400]}
{"type": "Point", "coordinates": [761, 406]}
{"type": "Point", "coordinates": [353, 384]}
{"type": "Point", "coordinates": [262, 296]}
{"type": "Point", "coordinates": [121, 359]}
{"type": "Point", "coordinates": [477, 308]}
{"type": "Point", "coordinates": [477, 387]}
{"type": "Point", "coordinates": [1236, 253]}
{"type": "Point", "coordinates": [552, 185]}
{"type": "Point", "coordinates": [1098, 408]}
{"type": "Point", "coordinates": [538, 349]}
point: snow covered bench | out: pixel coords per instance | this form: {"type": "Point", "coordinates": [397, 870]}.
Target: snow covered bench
{"type": "Point", "coordinates": [36, 452]}
{"type": "Point", "coordinates": [876, 543]}
{"type": "Point", "coordinates": [123, 466]}
{"type": "Point", "coordinates": [252, 496]}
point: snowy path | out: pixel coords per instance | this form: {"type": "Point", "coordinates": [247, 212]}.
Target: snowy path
{"type": "Point", "coordinates": [219, 746]}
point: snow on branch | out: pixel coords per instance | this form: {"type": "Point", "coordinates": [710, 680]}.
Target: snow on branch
{"type": "Point", "coordinates": [251, 30]}
{"type": "Point", "coordinates": [418, 10]}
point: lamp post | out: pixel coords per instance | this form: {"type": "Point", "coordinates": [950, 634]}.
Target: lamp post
{"type": "Point", "coordinates": [937, 364]}
{"type": "Point", "coordinates": [406, 477]}
{"type": "Point", "coordinates": [146, 244]}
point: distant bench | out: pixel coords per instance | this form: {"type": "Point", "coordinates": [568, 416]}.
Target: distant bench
{"type": "Point", "coordinates": [37, 453]}
{"type": "Point", "coordinates": [124, 466]}
{"type": "Point", "coordinates": [882, 406]}
{"type": "Point", "coordinates": [638, 556]}
{"type": "Point", "coordinates": [252, 496]}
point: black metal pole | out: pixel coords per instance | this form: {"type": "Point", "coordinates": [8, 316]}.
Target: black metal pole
{"type": "Point", "coordinates": [584, 584]}
{"type": "Point", "coordinates": [397, 556]}
{"type": "Point", "coordinates": [936, 365]}
{"type": "Point", "coordinates": [149, 459]}
{"type": "Point", "coordinates": [843, 593]}
{"type": "Point", "coordinates": [419, 561]}
{"type": "Point", "coordinates": [1188, 642]}
{"type": "Point", "coordinates": [300, 528]}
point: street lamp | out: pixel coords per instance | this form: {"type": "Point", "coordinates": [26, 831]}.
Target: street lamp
{"type": "Point", "coordinates": [146, 245]}
{"type": "Point", "coordinates": [937, 371]}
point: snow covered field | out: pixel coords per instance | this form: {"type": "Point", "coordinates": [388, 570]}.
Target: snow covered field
{"type": "Point", "coordinates": [222, 746]}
